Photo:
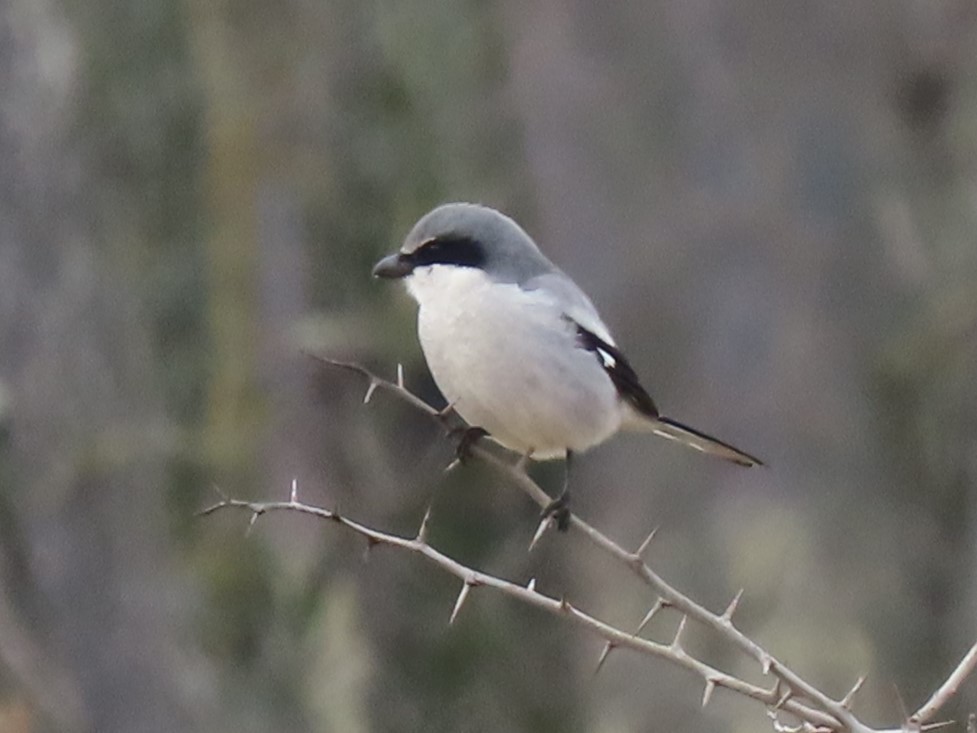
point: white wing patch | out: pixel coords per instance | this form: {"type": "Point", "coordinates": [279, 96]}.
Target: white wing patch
{"type": "Point", "coordinates": [607, 360]}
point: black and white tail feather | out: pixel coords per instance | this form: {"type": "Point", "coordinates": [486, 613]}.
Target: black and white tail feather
{"type": "Point", "coordinates": [647, 417]}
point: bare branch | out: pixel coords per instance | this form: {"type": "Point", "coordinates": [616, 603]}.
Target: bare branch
{"type": "Point", "coordinates": [668, 593]}
{"type": "Point", "coordinates": [816, 710]}
{"type": "Point", "coordinates": [947, 690]}
{"type": "Point", "coordinates": [528, 595]}
{"type": "Point", "coordinates": [407, 396]}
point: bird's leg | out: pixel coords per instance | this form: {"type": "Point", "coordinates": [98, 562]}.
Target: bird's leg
{"type": "Point", "coordinates": [467, 437]}
{"type": "Point", "coordinates": [559, 508]}
{"type": "Point", "coordinates": [523, 460]}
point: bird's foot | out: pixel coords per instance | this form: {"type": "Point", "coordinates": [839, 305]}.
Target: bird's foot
{"type": "Point", "coordinates": [466, 437]}
{"type": "Point", "coordinates": [559, 511]}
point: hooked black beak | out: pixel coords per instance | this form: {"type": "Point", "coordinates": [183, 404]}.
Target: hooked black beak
{"type": "Point", "coordinates": [393, 267]}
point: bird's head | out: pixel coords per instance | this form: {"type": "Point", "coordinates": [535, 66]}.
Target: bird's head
{"type": "Point", "coordinates": [453, 240]}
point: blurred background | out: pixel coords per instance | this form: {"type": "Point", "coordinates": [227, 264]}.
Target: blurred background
{"type": "Point", "coordinates": [773, 205]}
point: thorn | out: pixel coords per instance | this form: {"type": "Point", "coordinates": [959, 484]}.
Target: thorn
{"type": "Point", "coordinates": [707, 693]}
{"type": "Point", "coordinates": [422, 533]}
{"type": "Point", "coordinates": [531, 585]}
{"type": "Point", "coordinates": [782, 700]}
{"type": "Point", "coordinates": [659, 605]}
{"type": "Point", "coordinates": [677, 641]}
{"type": "Point", "coordinates": [445, 411]}
{"type": "Point", "coordinates": [371, 388]}
{"type": "Point", "coordinates": [523, 461]}
{"type": "Point", "coordinates": [565, 605]}
{"type": "Point", "coordinates": [251, 523]}
{"type": "Point", "coordinates": [766, 662]}
{"type": "Point", "coordinates": [945, 723]}
{"type": "Point", "coordinates": [452, 466]}
{"type": "Point", "coordinates": [294, 492]}
{"type": "Point", "coordinates": [462, 597]}
{"type": "Point", "coordinates": [605, 653]}
{"type": "Point", "coordinates": [902, 702]}
{"type": "Point", "coordinates": [543, 526]}
{"type": "Point", "coordinates": [643, 547]}
{"type": "Point", "coordinates": [400, 375]}
{"type": "Point", "coordinates": [731, 608]}
{"type": "Point", "coordinates": [847, 699]}
{"type": "Point", "coordinates": [220, 492]}
{"type": "Point", "coordinates": [367, 550]}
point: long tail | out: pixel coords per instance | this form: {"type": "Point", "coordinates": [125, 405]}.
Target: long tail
{"type": "Point", "coordinates": [674, 430]}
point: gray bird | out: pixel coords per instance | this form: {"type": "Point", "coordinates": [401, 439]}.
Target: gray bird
{"type": "Point", "coordinates": [517, 348]}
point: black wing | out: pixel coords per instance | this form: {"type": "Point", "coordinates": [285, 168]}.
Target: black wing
{"type": "Point", "coordinates": [626, 382]}
{"type": "Point", "coordinates": [616, 365]}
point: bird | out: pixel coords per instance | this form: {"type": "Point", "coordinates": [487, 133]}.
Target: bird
{"type": "Point", "coordinates": [518, 350]}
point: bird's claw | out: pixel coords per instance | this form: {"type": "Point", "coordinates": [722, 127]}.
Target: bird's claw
{"type": "Point", "coordinates": [467, 437]}
{"type": "Point", "coordinates": [559, 511]}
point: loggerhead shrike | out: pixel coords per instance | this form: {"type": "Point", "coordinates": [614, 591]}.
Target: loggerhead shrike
{"type": "Point", "coordinates": [517, 348]}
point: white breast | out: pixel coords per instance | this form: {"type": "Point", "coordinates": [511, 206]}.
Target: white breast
{"type": "Point", "coordinates": [509, 362]}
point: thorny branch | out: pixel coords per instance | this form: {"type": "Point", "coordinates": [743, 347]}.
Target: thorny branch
{"type": "Point", "coordinates": [947, 690]}
{"type": "Point", "coordinates": [472, 578]}
{"type": "Point", "coordinates": [816, 711]}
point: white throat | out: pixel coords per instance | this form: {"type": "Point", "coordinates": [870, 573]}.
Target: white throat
{"type": "Point", "coordinates": [443, 284]}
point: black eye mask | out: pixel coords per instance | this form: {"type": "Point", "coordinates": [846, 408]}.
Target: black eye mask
{"type": "Point", "coordinates": [447, 250]}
